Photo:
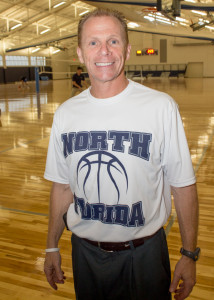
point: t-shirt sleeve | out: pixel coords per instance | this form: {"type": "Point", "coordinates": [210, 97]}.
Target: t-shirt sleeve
{"type": "Point", "coordinates": [56, 168]}
{"type": "Point", "coordinates": [176, 159]}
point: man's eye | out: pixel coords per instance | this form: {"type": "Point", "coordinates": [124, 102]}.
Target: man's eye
{"type": "Point", "coordinates": [93, 43]}
{"type": "Point", "coordinates": [114, 42]}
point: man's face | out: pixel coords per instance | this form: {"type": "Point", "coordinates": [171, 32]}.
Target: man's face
{"type": "Point", "coordinates": [103, 49]}
{"type": "Point", "coordinates": [79, 71]}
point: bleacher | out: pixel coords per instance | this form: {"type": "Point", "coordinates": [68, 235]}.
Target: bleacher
{"type": "Point", "coordinates": [159, 70]}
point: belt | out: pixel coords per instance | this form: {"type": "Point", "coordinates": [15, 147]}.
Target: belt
{"type": "Point", "coordinates": [120, 246]}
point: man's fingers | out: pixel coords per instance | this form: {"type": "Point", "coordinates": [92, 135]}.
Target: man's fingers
{"type": "Point", "coordinates": [59, 273]}
{"type": "Point", "coordinates": [50, 278]}
{"type": "Point", "coordinates": [183, 291]}
{"type": "Point", "coordinates": [54, 276]}
{"type": "Point", "coordinates": [174, 283]}
{"type": "Point", "coordinates": [53, 271]}
{"type": "Point", "coordinates": [185, 271]}
{"type": "Point", "coordinates": [52, 283]}
{"type": "Point", "coordinates": [58, 279]}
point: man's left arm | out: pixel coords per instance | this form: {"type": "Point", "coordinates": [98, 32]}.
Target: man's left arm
{"type": "Point", "coordinates": [186, 205]}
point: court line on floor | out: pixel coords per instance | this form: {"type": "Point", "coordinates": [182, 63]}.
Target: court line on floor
{"type": "Point", "coordinates": [174, 215]}
{"type": "Point", "coordinates": [23, 211]}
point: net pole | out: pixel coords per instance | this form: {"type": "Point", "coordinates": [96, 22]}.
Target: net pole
{"type": "Point", "coordinates": [37, 79]}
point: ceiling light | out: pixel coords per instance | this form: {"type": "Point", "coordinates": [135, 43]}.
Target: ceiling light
{"type": "Point", "coordinates": [59, 4]}
{"type": "Point", "coordinates": [161, 18]}
{"type": "Point", "coordinates": [209, 27]}
{"type": "Point", "coordinates": [181, 19]}
{"type": "Point", "coordinates": [83, 13]}
{"type": "Point", "coordinates": [46, 30]}
{"type": "Point", "coordinates": [58, 50]}
{"type": "Point", "coordinates": [199, 12]}
{"type": "Point", "coordinates": [149, 18]}
{"type": "Point", "coordinates": [184, 24]}
{"type": "Point", "coordinates": [17, 25]}
{"type": "Point", "coordinates": [158, 18]}
{"type": "Point", "coordinates": [193, 1]}
{"type": "Point", "coordinates": [204, 21]}
{"type": "Point", "coordinates": [35, 50]}
{"type": "Point", "coordinates": [133, 25]}
{"type": "Point", "coordinates": [164, 21]}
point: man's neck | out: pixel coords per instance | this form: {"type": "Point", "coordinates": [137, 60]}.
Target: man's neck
{"type": "Point", "coordinates": [108, 89]}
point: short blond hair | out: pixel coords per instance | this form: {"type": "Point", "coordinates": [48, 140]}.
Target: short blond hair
{"type": "Point", "coordinates": [101, 12]}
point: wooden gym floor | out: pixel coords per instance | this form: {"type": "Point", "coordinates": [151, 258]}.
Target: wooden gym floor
{"type": "Point", "coordinates": [25, 124]}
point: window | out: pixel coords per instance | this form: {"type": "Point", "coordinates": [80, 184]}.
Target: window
{"type": "Point", "coordinates": [16, 60]}
{"type": "Point", "coordinates": [38, 61]}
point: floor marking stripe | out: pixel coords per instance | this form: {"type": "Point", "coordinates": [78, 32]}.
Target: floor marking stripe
{"type": "Point", "coordinates": [23, 211]}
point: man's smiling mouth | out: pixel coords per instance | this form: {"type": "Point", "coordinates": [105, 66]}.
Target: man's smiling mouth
{"type": "Point", "coordinates": [102, 64]}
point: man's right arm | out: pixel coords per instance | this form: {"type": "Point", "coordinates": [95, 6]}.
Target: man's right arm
{"type": "Point", "coordinates": [60, 199]}
{"type": "Point", "coordinates": [76, 85]}
{"type": "Point", "coordinates": [74, 82]}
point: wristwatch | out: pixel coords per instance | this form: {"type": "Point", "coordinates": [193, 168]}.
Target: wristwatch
{"type": "Point", "coordinates": [194, 255]}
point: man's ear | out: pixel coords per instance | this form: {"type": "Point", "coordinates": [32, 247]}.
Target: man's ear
{"type": "Point", "coordinates": [128, 50]}
{"type": "Point", "coordinates": [79, 53]}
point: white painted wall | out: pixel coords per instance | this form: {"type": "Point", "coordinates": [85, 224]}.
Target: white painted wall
{"type": "Point", "coordinates": [194, 70]}
{"type": "Point", "coordinates": [60, 65]}
{"type": "Point", "coordinates": [179, 51]}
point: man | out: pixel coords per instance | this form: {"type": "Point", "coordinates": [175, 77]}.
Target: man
{"type": "Point", "coordinates": [77, 80]}
{"type": "Point", "coordinates": [118, 147]}
{"type": "Point", "coordinates": [23, 82]}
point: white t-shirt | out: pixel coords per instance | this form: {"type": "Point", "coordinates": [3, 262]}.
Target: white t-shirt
{"type": "Point", "coordinates": [120, 155]}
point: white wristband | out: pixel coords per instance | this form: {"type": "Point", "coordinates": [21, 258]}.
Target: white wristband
{"type": "Point", "coordinates": [51, 250]}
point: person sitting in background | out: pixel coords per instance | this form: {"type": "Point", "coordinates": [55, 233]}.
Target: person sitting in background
{"type": "Point", "coordinates": [23, 82]}
{"type": "Point", "coordinates": [77, 80]}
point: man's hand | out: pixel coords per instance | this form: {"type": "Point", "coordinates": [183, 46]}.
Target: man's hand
{"type": "Point", "coordinates": [52, 268]}
{"type": "Point", "coordinates": [185, 270]}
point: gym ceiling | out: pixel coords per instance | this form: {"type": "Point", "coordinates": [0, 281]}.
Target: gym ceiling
{"type": "Point", "coordinates": [45, 27]}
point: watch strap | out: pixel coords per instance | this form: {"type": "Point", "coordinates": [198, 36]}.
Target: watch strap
{"type": "Point", "coordinates": [193, 255]}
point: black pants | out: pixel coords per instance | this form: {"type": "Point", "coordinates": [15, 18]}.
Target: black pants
{"type": "Point", "coordinates": [141, 273]}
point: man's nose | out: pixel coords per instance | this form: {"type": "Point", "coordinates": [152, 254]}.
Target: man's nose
{"type": "Point", "coordinates": [104, 49]}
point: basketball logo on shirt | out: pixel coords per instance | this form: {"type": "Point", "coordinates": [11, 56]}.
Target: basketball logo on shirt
{"type": "Point", "coordinates": [98, 168]}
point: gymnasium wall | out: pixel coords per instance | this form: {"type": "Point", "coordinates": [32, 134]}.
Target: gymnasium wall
{"type": "Point", "coordinates": [179, 51]}
{"type": "Point", "coordinates": [14, 74]}
{"type": "Point", "coordinates": [60, 65]}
